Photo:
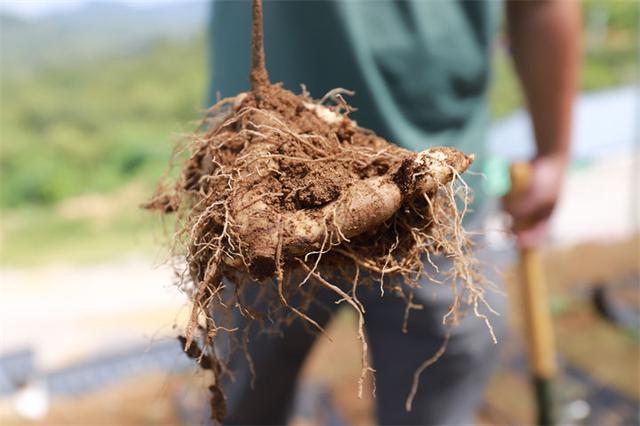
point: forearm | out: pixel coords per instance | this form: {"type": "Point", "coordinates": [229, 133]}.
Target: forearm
{"type": "Point", "coordinates": [545, 43]}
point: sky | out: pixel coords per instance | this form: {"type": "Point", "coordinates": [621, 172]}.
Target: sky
{"type": "Point", "coordinates": [38, 8]}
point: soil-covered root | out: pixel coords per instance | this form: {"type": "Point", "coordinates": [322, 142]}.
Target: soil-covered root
{"type": "Point", "coordinates": [362, 206]}
{"type": "Point", "coordinates": [290, 195]}
{"type": "Point", "coordinates": [277, 182]}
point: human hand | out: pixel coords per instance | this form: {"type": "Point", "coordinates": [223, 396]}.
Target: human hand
{"type": "Point", "coordinates": [531, 207]}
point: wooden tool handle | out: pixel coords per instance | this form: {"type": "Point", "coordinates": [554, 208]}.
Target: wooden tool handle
{"type": "Point", "coordinates": [534, 290]}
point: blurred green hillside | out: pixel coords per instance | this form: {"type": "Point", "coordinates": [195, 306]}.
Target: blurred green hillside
{"type": "Point", "coordinates": [611, 50]}
{"type": "Point", "coordinates": [91, 32]}
{"type": "Point", "coordinates": [98, 125]}
{"type": "Point", "coordinates": [94, 128]}
{"type": "Point", "coordinates": [85, 133]}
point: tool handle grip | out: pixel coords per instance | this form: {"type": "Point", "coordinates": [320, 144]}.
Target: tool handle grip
{"type": "Point", "coordinates": [534, 290]}
{"type": "Point", "coordinates": [521, 177]}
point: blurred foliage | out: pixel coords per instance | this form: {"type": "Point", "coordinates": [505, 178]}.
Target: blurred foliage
{"type": "Point", "coordinates": [610, 53]}
{"type": "Point", "coordinates": [610, 42]}
{"type": "Point", "coordinates": [94, 126]}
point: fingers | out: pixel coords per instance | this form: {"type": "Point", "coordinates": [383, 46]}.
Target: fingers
{"type": "Point", "coordinates": [533, 235]}
{"type": "Point", "coordinates": [530, 214]}
{"type": "Point", "coordinates": [526, 205]}
{"type": "Point", "coordinates": [536, 201]}
{"type": "Point", "coordinates": [530, 224]}
{"type": "Point", "coordinates": [526, 219]}
{"type": "Point", "coordinates": [532, 206]}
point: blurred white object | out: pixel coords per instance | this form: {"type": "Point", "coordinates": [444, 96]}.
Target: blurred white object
{"type": "Point", "coordinates": [576, 411]}
{"type": "Point", "coordinates": [604, 124]}
{"type": "Point", "coordinates": [497, 232]}
{"type": "Point", "coordinates": [597, 203]}
{"type": "Point", "coordinates": [32, 401]}
{"type": "Point", "coordinates": [86, 308]}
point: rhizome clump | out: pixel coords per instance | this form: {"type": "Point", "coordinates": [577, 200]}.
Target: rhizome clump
{"type": "Point", "coordinates": [290, 194]}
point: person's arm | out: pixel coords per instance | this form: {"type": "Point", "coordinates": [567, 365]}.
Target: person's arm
{"type": "Point", "coordinates": [545, 44]}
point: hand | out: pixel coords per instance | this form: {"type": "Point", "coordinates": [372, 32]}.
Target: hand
{"type": "Point", "coordinates": [531, 209]}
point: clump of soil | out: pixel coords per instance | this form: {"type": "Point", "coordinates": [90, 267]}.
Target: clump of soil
{"type": "Point", "coordinates": [288, 193]}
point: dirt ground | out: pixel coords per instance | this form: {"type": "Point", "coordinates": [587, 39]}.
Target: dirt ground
{"type": "Point", "coordinates": [584, 339]}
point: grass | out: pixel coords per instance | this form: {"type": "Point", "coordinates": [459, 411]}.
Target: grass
{"type": "Point", "coordinates": [79, 233]}
{"type": "Point", "coordinates": [33, 235]}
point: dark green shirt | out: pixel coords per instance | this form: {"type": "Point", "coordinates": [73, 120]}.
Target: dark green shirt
{"type": "Point", "coordinates": [420, 68]}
